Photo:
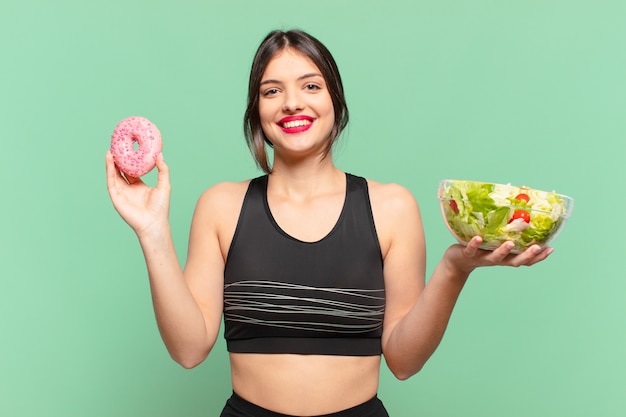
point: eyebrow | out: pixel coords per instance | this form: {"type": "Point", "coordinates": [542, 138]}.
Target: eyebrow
{"type": "Point", "coordinates": [302, 77]}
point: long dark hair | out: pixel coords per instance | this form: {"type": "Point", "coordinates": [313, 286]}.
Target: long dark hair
{"type": "Point", "coordinates": [273, 43]}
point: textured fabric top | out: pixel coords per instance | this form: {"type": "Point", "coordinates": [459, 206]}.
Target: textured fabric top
{"type": "Point", "coordinates": [283, 295]}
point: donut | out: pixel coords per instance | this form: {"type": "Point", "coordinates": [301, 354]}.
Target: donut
{"type": "Point", "coordinates": [130, 131]}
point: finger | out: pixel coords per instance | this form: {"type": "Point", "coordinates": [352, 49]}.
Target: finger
{"type": "Point", "coordinates": [530, 256]}
{"type": "Point", "coordinates": [503, 250]}
{"type": "Point", "coordinates": [471, 249]}
{"type": "Point", "coordinates": [542, 255]}
{"type": "Point", "coordinates": [133, 180]}
{"type": "Point", "coordinates": [163, 177]}
{"type": "Point", "coordinates": [112, 172]}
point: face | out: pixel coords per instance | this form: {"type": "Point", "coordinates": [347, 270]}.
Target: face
{"type": "Point", "coordinates": [295, 106]}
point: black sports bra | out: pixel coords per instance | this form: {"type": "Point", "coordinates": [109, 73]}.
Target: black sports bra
{"type": "Point", "coordinates": [283, 295]}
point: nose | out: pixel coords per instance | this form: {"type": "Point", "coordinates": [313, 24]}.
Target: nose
{"type": "Point", "coordinates": [293, 102]}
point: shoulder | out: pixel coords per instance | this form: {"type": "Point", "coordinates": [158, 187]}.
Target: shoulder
{"type": "Point", "coordinates": [391, 198]}
{"type": "Point", "coordinates": [224, 194]}
{"type": "Point", "coordinates": [396, 213]}
{"type": "Point", "coordinates": [216, 214]}
{"type": "Point", "coordinates": [220, 204]}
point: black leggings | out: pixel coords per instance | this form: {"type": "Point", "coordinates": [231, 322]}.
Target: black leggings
{"type": "Point", "coordinates": [238, 407]}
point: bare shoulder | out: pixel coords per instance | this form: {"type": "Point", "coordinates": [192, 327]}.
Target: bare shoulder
{"type": "Point", "coordinates": [222, 196]}
{"type": "Point", "coordinates": [395, 212]}
{"type": "Point", "coordinates": [216, 214]}
{"type": "Point", "coordinates": [391, 198]}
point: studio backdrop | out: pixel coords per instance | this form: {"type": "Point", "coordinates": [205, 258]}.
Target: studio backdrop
{"type": "Point", "coordinates": [529, 93]}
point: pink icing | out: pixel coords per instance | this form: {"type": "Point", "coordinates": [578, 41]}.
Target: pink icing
{"type": "Point", "coordinates": [131, 161]}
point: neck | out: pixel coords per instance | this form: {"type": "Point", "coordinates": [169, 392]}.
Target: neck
{"type": "Point", "coordinates": [305, 179]}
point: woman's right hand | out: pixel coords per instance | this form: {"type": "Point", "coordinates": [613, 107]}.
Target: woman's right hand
{"type": "Point", "coordinates": [139, 205]}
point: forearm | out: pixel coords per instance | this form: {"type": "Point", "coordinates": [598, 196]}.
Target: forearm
{"type": "Point", "coordinates": [415, 337]}
{"type": "Point", "coordinates": [179, 318]}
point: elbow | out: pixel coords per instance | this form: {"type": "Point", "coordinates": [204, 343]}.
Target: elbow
{"type": "Point", "coordinates": [188, 360]}
{"type": "Point", "coordinates": [188, 364]}
{"type": "Point", "coordinates": [404, 374]}
{"type": "Point", "coordinates": [404, 363]}
{"type": "Point", "coordinates": [188, 354]}
{"type": "Point", "coordinates": [402, 369]}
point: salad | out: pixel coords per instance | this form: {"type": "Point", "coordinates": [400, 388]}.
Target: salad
{"type": "Point", "coordinates": [500, 213]}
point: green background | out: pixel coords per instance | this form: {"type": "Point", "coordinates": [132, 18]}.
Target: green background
{"type": "Point", "coordinates": [532, 93]}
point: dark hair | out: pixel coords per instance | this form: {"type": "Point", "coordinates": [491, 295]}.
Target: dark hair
{"type": "Point", "coordinates": [273, 43]}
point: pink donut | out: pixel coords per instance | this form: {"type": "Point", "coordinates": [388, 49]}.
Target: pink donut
{"type": "Point", "coordinates": [130, 131]}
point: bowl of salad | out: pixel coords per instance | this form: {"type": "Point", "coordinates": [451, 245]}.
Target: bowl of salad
{"type": "Point", "coordinates": [503, 212]}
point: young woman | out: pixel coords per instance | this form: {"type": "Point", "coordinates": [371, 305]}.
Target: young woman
{"type": "Point", "coordinates": [317, 272]}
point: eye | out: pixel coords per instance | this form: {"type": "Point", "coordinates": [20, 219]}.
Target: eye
{"type": "Point", "coordinates": [312, 87]}
{"type": "Point", "coordinates": [269, 92]}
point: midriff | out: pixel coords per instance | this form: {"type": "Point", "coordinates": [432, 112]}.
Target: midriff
{"type": "Point", "coordinates": [304, 385]}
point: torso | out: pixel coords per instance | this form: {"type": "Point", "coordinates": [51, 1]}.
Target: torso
{"type": "Point", "coordinates": [297, 384]}
{"type": "Point", "coordinates": [304, 385]}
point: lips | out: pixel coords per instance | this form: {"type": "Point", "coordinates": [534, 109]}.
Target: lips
{"type": "Point", "coordinates": [295, 124]}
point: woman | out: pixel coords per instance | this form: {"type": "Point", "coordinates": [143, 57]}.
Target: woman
{"type": "Point", "coordinates": [317, 272]}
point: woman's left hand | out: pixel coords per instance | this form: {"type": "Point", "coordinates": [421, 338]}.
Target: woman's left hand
{"type": "Point", "coordinates": [467, 258]}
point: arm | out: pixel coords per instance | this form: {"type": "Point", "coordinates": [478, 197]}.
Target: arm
{"type": "Point", "coordinates": [187, 304]}
{"type": "Point", "coordinates": [417, 313]}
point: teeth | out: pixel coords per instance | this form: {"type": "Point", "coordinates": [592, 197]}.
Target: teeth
{"type": "Point", "coordinates": [296, 123]}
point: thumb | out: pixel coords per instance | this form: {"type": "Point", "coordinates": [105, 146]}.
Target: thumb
{"type": "Point", "coordinates": [163, 177]}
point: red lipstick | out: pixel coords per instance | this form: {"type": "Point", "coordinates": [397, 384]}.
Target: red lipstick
{"type": "Point", "coordinates": [296, 124]}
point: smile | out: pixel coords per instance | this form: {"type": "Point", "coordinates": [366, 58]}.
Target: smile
{"type": "Point", "coordinates": [295, 124]}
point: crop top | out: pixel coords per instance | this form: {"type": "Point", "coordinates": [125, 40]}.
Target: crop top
{"type": "Point", "coordinates": [283, 295]}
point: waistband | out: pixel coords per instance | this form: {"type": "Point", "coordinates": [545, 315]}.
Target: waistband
{"type": "Point", "coordinates": [370, 408]}
{"type": "Point", "coordinates": [344, 346]}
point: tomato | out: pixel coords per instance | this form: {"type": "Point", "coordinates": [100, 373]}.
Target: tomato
{"type": "Point", "coordinates": [454, 206]}
{"type": "Point", "coordinates": [520, 214]}
{"type": "Point", "coordinates": [523, 197]}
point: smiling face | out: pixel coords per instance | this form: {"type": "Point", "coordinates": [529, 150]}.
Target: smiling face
{"type": "Point", "coordinates": [295, 107]}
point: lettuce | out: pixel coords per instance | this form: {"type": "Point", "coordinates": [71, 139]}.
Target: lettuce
{"type": "Point", "coordinates": [487, 210]}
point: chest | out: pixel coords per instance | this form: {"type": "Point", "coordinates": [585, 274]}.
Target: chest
{"type": "Point", "coordinates": [307, 220]}
{"type": "Point", "coordinates": [277, 285]}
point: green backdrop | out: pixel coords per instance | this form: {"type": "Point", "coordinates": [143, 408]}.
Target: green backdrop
{"type": "Point", "coordinates": [532, 93]}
